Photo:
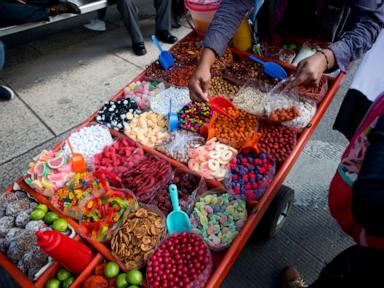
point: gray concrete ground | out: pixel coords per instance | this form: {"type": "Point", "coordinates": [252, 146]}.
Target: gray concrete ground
{"type": "Point", "coordinates": [63, 72]}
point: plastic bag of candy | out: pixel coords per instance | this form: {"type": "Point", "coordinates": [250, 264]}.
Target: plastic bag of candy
{"type": "Point", "coordinates": [101, 215]}
{"type": "Point", "coordinates": [281, 104]}
{"type": "Point", "coordinates": [307, 110]}
{"type": "Point", "coordinates": [218, 217]}
{"type": "Point", "coordinates": [188, 187]}
{"type": "Point", "coordinates": [196, 255]}
{"type": "Point", "coordinates": [49, 171]}
{"type": "Point", "coordinates": [315, 94]}
{"type": "Point", "coordinates": [139, 233]}
{"type": "Point", "coordinates": [180, 142]}
{"type": "Point", "coordinates": [142, 92]}
{"type": "Point", "coordinates": [250, 175]}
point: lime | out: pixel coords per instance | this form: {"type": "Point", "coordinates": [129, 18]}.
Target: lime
{"type": "Point", "coordinates": [52, 283]}
{"type": "Point", "coordinates": [111, 270]}
{"type": "Point", "coordinates": [63, 274]}
{"type": "Point", "coordinates": [121, 281]}
{"type": "Point", "coordinates": [133, 286]}
{"type": "Point", "coordinates": [68, 282]}
{"type": "Point", "coordinates": [135, 277]}
{"type": "Point", "coordinates": [42, 207]}
{"type": "Point", "coordinates": [37, 214]}
{"type": "Point", "coordinates": [60, 225]}
{"type": "Point", "coordinates": [50, 217]}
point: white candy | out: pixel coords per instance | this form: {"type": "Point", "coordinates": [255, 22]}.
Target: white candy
{"type": "Point", "coordinates": [160, 102]}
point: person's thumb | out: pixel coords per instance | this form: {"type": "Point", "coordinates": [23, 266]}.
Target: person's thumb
{"type": "Point", "coordinates": [205, 88]}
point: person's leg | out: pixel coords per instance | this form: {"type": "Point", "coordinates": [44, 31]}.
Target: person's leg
{"type": "Point", "coordinates": [98, 24]}
{"type": "Point", "coordinates": [163, 21]}
{"type": "Point", "coordinates": [355, 267]}
{"type": "Point", "coordinates": [6, 93]}
{"type": "Point", "coordinates": [130, 14]}
{"type": "Point", "coordinates": [13, 13]}
{"type": "Point", "coordinates": [101, 14]}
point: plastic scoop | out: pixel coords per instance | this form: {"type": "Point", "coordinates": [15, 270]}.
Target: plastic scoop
{"type": "Point", "coordinates": [218, 104]}
{"type": "Point", "coordinates": [177, 220]}
{"type": "Point", "coordinates": [165, 58]}
{"type": "Point", "coordinates": [78, 162]}
{"type": "Point", "coordinates": [250, 146]}
{"type": "Point", "coordinates": [173, 120]}
{"type": "Point", "coordinates": [272, 69]}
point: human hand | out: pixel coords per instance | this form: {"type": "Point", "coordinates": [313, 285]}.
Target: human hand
{"type": "Point", "coordinates": [199, 84]}
{"type": "Point", "coordinates": [310, 70]}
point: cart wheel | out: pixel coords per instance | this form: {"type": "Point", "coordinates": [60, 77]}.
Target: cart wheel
{"type": "Point", "coordinates": [276, 214]}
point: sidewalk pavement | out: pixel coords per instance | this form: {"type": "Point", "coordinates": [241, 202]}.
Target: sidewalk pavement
{"type": "Point", "coordinates": [62, 73]}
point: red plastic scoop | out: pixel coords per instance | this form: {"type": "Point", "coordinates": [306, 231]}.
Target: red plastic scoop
{"type": "Point", "coordinates": [219, 103]}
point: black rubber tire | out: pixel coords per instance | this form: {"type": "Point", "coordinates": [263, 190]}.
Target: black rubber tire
{"type": "Point", "coordinates": [271, 223]}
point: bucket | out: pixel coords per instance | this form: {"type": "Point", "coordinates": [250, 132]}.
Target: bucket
{"type": "Point", "coordinates": [202, 12]}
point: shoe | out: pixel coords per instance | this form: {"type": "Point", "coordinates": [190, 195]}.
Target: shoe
{"type": "Point", "coordinates": [291, 278]}
{"type": "Point", "coordinates": [96, 25]}
{"type": "Point", "coordinates": [176, 23]}
{"type": "Point", "coordinates": [166, 37]}
{"type": "Point", "coordinates": [139, 48]}
{"type": "Point", "coordinates": [62, 8]}
{"type": "Point", "coordinates": [6, 93]}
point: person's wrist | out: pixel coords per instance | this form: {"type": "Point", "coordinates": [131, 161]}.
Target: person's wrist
{"type": "Point", "coordinates": [324, 57]}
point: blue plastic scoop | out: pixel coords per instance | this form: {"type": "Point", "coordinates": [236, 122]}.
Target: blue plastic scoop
{"type": "Point", "coordinates": [173, 120]}
{"type": "Point", "coordinates": [177, 220]}
{"type": "Point", "coordinates": [272, 69]}
{"type": "Point", "coordinates": [165, 58]}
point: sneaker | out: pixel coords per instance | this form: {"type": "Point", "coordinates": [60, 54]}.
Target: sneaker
{"type": "Point", "coordinates": [96, 25]}
{"type": "Point", "coordinates": [62, 8]}
{"type": "Point", "coordinates": [291, 278]}
{"type": "Point", "coordinates": [6, 93]}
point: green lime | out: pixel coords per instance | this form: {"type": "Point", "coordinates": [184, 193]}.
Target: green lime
{"type": "Point", "coordinates": [52, 283]}
{"type": "Point", "coordinates": [68, 282]}
{"type": "Point", "coordinates": [37, 214]}
{"type": "Point", "coordinates": [135, 277]}
{"type": "Point", "coordinates": [121, 281]}
{"type": "Point", "coordinates": [63, 274]}
{"type": "Point", "coordinates": [42, 207]}
{"type": "Point", "coordinates": [60, 225]}
{"type": "Point", "coordinates": [133, 286]}
{"type": "Point", "coordinates": [111, 270]}
{"type": "Point", "coordinates": [50, 217]}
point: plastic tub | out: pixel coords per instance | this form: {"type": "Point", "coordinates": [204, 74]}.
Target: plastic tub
{"type": "Point", "coordinates": [202, 13]}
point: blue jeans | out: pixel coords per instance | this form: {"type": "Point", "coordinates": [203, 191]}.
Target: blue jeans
{"type": "Point", "coordinates": [2, 55]}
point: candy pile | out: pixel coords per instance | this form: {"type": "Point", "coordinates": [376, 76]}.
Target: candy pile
{"type": "Point", "coordinates": [194, 115]}
{"type": "Point", "coordinates": [234, 132]}
{"type": "Point", "coordinates": [220, 64]}
{"type": "Point", "coordinates": [69, 198]}
{"type": "Point", "coordinates": [179, 75]}
{"type": "Point", "coordinates": [183, 260]}
{"type": "Point", "coordinates": [160, 103]}
{"type": "Point", "coordinates": [218, 218]}
{"type": "Point", "coordinates": [148, 128]}
{"type": "Point", "coordinates": [143, 91]}
{"type": "Point", "coordinates": [221, 87]}
{"type": "Point", "coordinates": [155, 72]}
{"type": "Point", "coordinates": [89, 141]}
{"type": "Point", "coordinates": [100, 214]}
{"type": "Point", "coordinates": [251, 100]}
{"type": "Point", "coordinates": [250, 175]}
{"type": "Point", "coordinates": [119, 157]}
{"type": "Point", "coordinates": [49, 171]}
{"type": "Point", "coordinates": [211, 160]}
{"type": "Point", "coordinates": [277, 140]}
{"type": "Point", "coordinates": [180, 142]}
{"type": "Point", "coordinates": [315, 94]}
{"type": "Point", "coordinates": [188, 186]}
{"type": "Point", "coordinates": [17, 239]}
{"type": "Point", "coordinates": [185, 53]}
{"type": "Point", "coordinates": [147, 177]}
{"type": "Point", "coordinates": [307, 111]}
{"type": "Point", "coordinates": [113, 113]}
{"type": "Point", "coordinates": [135, 241]}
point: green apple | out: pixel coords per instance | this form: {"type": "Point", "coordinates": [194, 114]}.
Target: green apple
{"type": "Point", "coordinates": [111, 270]}
{"type": "Point", "coordinates": [50, 217]}
{"type": "Point", "coordinates": [135, 277]}
{"type": "Point", "coordinates": [63, 274]}
{"type": "Point", "coordinates": [52, 283]}
{"type": "Point", "coordinates": [121, 281]}
{"type": "Point", "coordinates": [60, 225]}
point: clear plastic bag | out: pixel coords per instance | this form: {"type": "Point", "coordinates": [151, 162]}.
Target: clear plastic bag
{"type": "Point", "coordinates": [315, 94]}
{"type": "Point", "coordinates": [307, 110]}
{"type": "Point", "coordinates": [250, 175]}
{"type": "Point", "coordinates": [180, 142]}
{"type": "Point", "coordinates": [251, 97]}
{"type": "Point", "coordinates": [282, 104]}
{"type": "Point", "coordinates": [171, 247]}
{"type": "Point", "coordinates": [139, 233]}
{"type": "Point", "coordinates": [218, 217]}
{"type": "Point", "coordinates": [188, 187]}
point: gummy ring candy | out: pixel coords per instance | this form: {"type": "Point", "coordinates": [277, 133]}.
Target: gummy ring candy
{"type": "Point", "coordinates": [226, 155]}
{"type": "Point", "coordinates": [213, 154]}
{"type": "Point", "coordinates": [213, 164]}
{"type": "Point", "coordinates": [221, 147]}
{"type": "Point", "coordinates": [193, 165]}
